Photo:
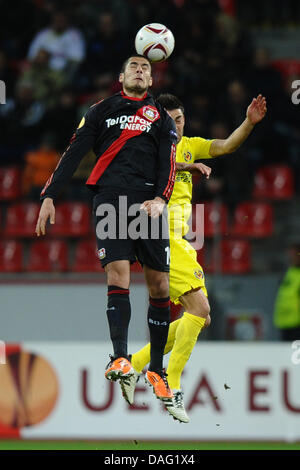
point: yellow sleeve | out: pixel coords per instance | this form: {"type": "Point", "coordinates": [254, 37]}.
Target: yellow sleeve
{"type": "Point", "coordinates": [200, 147]}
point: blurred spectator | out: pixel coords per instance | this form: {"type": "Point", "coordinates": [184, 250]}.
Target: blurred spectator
{"type": "Point", "coordinates": [7, 74]}
{"type": "Point", "coordinates": [39, 164]}
{"type": "Point", "coordinates": [106, 44]}
{"type": "Point", "coordinates": [64, 43]}
{"type": "Point", "coordinates": [263, 78]}
{"type": "Point", "coordinates": [63, 119]}
{"type": "Point", "coordinates": [21, 121]}
{"type": "Point", "coordinates": [287, 304]}
{"type": "Point", "coordinates": [45, 81]}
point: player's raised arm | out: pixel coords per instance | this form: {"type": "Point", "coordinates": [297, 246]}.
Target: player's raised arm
{"type": "Point", "coordinates": [81, 142]}
{"type": "Point", "coordinates": [255, 113]}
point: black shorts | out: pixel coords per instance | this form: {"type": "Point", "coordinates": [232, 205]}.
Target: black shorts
{"type": "Point", "coordinates": [125, 233]}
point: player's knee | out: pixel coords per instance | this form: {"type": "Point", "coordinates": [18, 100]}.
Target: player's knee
{"type": "Point", "coordinates": [207, 321]}
{"type": "Point", "coordinates": [117, 276]}
{"type": "Point", "coordinates": [159, 288]}
{"type": "Point", "coordinates": [205, 311]}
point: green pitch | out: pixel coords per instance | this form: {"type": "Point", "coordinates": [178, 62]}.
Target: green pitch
{"type": "Point", "coordinates": [144, 445]}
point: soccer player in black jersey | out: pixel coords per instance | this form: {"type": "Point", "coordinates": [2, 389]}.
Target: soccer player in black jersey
{"type": "Point", "coordinates": [134, 141]}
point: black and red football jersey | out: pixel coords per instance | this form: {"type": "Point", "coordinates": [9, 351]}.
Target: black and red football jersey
{"type": "Point", "coordinates": [134, 141]}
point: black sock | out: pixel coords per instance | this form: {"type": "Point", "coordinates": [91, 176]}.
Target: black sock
{"type": "Point", "coordinates": [118, 315]}
{"type": "Point", "coordinates": [158, 322]}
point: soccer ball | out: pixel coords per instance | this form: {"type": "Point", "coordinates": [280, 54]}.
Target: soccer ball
{"type": "Point", "coordinates": [155, 41]}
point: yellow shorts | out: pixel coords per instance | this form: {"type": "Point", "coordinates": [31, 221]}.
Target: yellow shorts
{"type": "Point", "coordinates": [185, 271]}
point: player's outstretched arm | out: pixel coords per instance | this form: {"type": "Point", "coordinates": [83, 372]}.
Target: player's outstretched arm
{"type": "Point", "coordinates": [47, 211]}
{"type": "Point", "coordinates": [256, 111]}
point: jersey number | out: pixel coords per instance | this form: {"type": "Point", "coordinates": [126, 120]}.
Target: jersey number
{"type": "Point", "coordinates": [167, 250]}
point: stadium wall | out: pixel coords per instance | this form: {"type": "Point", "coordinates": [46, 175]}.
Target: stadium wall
{"type": "Point", "coordinates": [60, 311]}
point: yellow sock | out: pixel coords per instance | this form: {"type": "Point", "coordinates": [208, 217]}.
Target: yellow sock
{"type": "Point", "coordinates": [141, 358]}
{"type": "Point", "coordinates": [185, 339]}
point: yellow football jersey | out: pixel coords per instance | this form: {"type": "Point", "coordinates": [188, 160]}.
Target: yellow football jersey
{"type": "Point", "coordinates": [188, 150]}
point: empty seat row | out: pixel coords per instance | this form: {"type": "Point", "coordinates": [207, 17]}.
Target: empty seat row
{"type": "Point", "coordinates": [231, 256]}
{"type": "Point", "coordinates": [274, 182]}
{"type": "Point", "coordinates": [250, 219]}
{"type": "Point", "coordinates": [51, 256]}
{"type": "Point", "coordinates": [72, 219]}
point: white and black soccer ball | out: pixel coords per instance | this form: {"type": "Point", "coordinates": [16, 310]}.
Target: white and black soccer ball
{"type": "Point", "coordinates": [155, 41]}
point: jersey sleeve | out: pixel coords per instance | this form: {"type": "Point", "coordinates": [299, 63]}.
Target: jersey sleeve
{"type": "Point", "coordinates": [200, 148]}
{"type": "Point", "coordinates": [81, 142]}
{"type": "Point", "coordinates": [166, 160]}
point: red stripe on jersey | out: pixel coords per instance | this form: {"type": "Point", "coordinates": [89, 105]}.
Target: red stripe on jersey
{"type": "Point", "coordinates": [132, 98]}
{"type": "Point", "coordinates": [107, 157]}
{"type": "Point", "coordinates": [167, 191]}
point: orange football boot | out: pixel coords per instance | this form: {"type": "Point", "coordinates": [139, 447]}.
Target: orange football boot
{"type": "Point", "coordinates": [160, 386]}
{"type": "Point", "coordinates": [118, 368]}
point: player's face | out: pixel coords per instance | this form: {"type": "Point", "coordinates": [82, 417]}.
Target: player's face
{"type": "Point", "coordinates": [136, 78]}
{"type": "Point", "coordinates": [178, 117]}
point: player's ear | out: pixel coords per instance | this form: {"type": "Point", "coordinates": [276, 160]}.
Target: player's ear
{"type": "Point", "coordinates": [121, 77]}
{"type": "Point", "coordinates": [150, 81]}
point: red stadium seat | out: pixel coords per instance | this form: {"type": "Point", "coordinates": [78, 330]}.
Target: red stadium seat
{"type": "Point", "coordinates": [72, 219]}
{"type": "Point", "coordinates": [48, 256]}
{"type": "Point", "coordinates": [215, 219]}
{"type": "Point", "coordinates": [11, 254]}
{"type": "Point", "coordinates": [253, 219]}
{"type": "Point", "coordinates": [274, 182]}
{"type": "Point", "coordinates": [21, 219]}
{"type": "Point", "coordinates": [86, 257]}
{"type": "Point", "coordinates": [10, 183]}
{"type": "Point", "coordinates": [235, 257]}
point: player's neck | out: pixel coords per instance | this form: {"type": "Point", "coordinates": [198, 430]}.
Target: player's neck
{"type": "Point", "coordinates": [134, 94]}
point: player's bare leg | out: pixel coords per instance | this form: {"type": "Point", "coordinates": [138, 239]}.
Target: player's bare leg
{"type": "Point", "coordinates": [118, 315]}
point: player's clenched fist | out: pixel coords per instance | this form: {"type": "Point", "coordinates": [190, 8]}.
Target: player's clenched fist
{"type": "Point", "coordinates": [47, 211]}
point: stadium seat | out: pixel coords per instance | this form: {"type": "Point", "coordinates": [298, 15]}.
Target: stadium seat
{"type": "Point", "coordinates": [231, 257]}
{"type": "Point", "coordinates": [274, 182]}
{"type": "Point", "coordinates": [10, 183]}
{"type": "Point", "coordinates": [11, 254]}
{"type": "Point", "coordinates": [86, 258]}
{"type": "Point", "coordinates": [21, 219]}
{"type": "Point", "coordinates": [215, 219]}
{"type": "Point", "coordinates": [72, 219]}
{"type": "Point", "coordinates": [48, 256]}
{"type": "Point", "coordinates": [253, 219]}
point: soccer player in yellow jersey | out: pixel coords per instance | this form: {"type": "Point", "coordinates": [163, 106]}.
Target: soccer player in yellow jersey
{"type": "Point", "coordinates": [187, 284]}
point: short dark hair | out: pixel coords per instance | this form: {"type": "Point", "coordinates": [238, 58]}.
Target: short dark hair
{"type": "Point", "coordinates": [128, 59]}
{"type": "Point", "coordinates": [170, 102]}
